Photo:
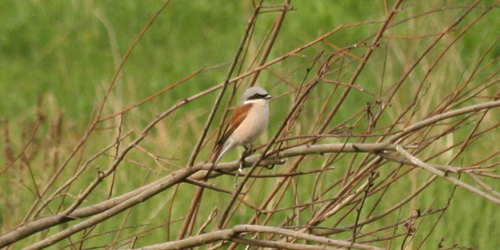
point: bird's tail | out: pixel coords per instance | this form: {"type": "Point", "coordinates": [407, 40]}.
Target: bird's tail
{"type": "Point", "coordinates": [214, 159]}
{"type": "Point", "coordinates": [216, 153]}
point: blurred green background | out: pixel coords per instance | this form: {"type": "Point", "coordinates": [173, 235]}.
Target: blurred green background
{"type": "Point", "coordinates": [63, 54]}
{"type": "Point", "coordinates": [69, 49]}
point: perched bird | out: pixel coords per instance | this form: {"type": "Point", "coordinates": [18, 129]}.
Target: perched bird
{"type": "Point", "coordinates": [247, 123]}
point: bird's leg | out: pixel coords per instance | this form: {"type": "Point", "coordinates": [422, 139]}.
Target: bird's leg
{"type": "Point", "coordinates": [242, 160]}
{"type": "Point", "coordinates": [248, 151]}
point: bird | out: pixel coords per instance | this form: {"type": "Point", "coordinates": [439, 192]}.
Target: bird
{"type": "Point", "coordinates": [247, 122]}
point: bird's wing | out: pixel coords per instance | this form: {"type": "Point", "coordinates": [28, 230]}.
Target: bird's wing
{"type": "Point", "coordinates": [238, 116]}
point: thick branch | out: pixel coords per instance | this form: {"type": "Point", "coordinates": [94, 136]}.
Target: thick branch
{"type": "Point", "coordinates": [456, 182]}
{"type": "Point", "coordinates": [234, 235]}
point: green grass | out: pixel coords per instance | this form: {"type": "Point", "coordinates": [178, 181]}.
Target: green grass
{"type": "Point", "coordinates": [60, 56]}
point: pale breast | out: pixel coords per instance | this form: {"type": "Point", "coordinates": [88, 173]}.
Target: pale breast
{"type": "Point", "coordinates": [255, 124]}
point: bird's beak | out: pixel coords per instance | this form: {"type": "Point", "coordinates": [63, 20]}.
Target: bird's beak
{"type": "Point", "coordinates": [268, 96]}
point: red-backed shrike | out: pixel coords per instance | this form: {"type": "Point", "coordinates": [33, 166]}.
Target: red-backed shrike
{"type": "Point", "coordinates": [247, 123]}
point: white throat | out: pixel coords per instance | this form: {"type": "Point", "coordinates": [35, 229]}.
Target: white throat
{"type": "Point", "coordinates": [256, 101]}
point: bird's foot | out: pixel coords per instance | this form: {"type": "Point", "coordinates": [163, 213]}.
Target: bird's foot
{"type": "Point", "coordinates": [242, 161]}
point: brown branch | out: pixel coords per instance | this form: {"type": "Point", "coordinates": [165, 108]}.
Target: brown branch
{"type": "Point", "coordinates": [456, 182]}
{"type": "Point", "coordinates": [235, 233]}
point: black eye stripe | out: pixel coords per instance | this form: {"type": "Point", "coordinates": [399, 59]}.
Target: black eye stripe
{"type": "Point", "coordinates": [257, 96]}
